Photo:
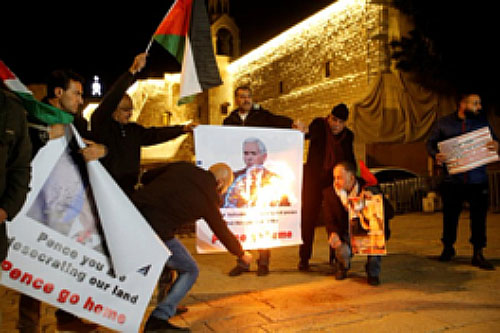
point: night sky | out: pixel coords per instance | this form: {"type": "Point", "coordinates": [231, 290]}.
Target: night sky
{"type": "Point", "coordinates": [91, 39]}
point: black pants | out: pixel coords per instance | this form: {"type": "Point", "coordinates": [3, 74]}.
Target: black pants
{"type": "Point", "coordinates": [454, 196]}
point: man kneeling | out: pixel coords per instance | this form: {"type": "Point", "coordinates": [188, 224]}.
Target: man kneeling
{"type": "Point", "coordinates": [177, 194]}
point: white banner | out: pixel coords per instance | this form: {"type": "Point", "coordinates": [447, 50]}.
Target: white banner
{"type": "Point", "coordinates": [262, 206]}
{"type": "Point", "coordinates": [56, 250]}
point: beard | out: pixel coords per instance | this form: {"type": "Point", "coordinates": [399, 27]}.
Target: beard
{"type": "Point", "coordinates": [471, 114]}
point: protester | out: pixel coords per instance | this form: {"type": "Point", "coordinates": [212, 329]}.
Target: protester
{"type": "Point", "coordinates": [172, 196]}
{"type": "Point", "coordinates": [471, 186]}
{"type": "Point", "coordinates": [110, 124]}
{"type": "Point", "coordinates": [330, 142]}
{"type": "Point", "coordinates": [335, 208]}
{"type": "Point", "coordinates": [250, 114]}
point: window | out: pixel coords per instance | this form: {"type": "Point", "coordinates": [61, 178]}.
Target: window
{"type": "Point", "coordinates": [328, 66]}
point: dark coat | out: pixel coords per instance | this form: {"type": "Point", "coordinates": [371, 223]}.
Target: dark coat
{"type": "Point", "coordinates": [259, 118]}
{"type": "Point", "coordinates": [124, 142]}
{"type": "Point", "coordinates": [15, 158]}
{"type": "Point", "coordinates": [336, 216]}
{"type": "Point", "coordinates": [182, 193]}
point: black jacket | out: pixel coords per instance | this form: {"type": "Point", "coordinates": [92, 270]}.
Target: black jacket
{"type": "Point", "coordinates": [124, 142]}
{"type": "Point", "coordinates": [258, 118]}
{"type": "Point", "coordinates": [15, 158]}
{"type": "Point", "coordinates": [182, 193]}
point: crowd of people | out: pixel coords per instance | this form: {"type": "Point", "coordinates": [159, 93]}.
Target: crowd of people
{"type": "Point", "coordinates": [180, 193]}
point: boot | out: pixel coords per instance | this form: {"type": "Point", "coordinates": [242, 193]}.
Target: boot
{"type": "Point", "coordinates": [478, 260]}
{"type": "Point", "coordinates": [447, 254]}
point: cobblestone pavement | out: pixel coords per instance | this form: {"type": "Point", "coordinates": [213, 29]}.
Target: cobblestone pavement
{"type": "Point", "coordinates": [417, 294]}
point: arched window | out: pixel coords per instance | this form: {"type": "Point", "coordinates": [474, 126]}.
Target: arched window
{"type": "Point", "coordinates": [224, 42]}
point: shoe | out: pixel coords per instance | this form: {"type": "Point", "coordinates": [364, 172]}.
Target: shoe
{"type": "Point", "coordinates": [447, 254]}
{"type": "Point", "coordinates": [373, 280]}
{"type": "Point", "coordinates": [303, 266]}
{"type": "Point", "coordinates": [237, 270]}
{"type": "Point", "coordinates": [156, 324]}
{"type": "Point", "coordinates": [181, 309]}
{"type": "Point", "coordinates": [478, 260]}
{"type": "Point", "coordinates": [262, 270]}
{"type": "Point", "coordinates": [340, 274]}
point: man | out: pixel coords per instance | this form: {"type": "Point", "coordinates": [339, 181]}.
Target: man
{"type": "Point", "coordinates": [470, 186]}
{"type": "Point", "coordinates": [330, 142]}
{"type": "Point", "coordinates": [177, 194]}
{"type": "Point", "coordinates": [249, 114]}
{"type": "Point", "coordinates": [111, 126]}
{"type": "Point", "coordinates": [64, 91]}
{"type": "Point", "coordinates": [335, 208]}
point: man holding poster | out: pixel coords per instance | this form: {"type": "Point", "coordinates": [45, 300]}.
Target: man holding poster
{"type": "Point", "coordinates": [470, 185]}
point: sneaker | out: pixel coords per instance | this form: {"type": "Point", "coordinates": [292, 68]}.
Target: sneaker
{"type": "Point", "coordinates": [340, 274]}
{"type": "Point", "coordinates": [237, 270]}
{"type": "Point", "coordinates": [262, 270]}
{"type": "Point", "coordinates": [303, 266]}
{"type": "Point", "coordinates": [478, 260]}
{"type": "Point", "coordinates": [156, 324]}
{"type": "Point", "coordinates": [447, 254]}
{"type": "Point", "coordinates": [373, 280]}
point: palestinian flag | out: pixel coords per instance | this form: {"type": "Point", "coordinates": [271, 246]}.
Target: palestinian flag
{"type": "Point", "coordinates": [41, 111]}
{"type": "Point", "coordinates": [185, 33]}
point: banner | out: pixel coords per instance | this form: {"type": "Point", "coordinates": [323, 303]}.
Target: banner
{"type": "Point", "coordinates": [468, 151]}
{"type": "Point", "coordinates": [366, 225]}
{"type": "Point", "coordinates": [57, 252]}
{"type": "Point", "coordinates": [262, 206]}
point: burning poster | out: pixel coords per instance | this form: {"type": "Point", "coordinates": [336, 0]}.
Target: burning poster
{"type": "Point", "coordinates": [467, 151]}
{"type": "Point", "coordinates": [69, 246]}
{"type": "Point", "coordinates": [366, 225]}
{"type": "Point", "coordinates": [262, 205]}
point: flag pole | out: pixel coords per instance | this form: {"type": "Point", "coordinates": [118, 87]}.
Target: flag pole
{"type": "Point", "coordinates": [152, 37]}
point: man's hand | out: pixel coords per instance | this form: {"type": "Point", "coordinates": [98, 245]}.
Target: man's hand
{"type": "Point", "coordinates": [247, 258]}
{"type": "Point", "coordinates": [188, 128]}
{"type": "Point", "coordinates": [93, 151]}
{"type": "Point", "coordinates": [3, 215]}
{"type": "Point", "coordinates": [297, 124]}
{"type": "Point", "coordinates": [334, 240]}
{"type": "Point", "coordinates": [492, 146]}
{"type": "Point", "coordinates": [56, 131]}
{"type": "Point", "coordinates": [139, 63]}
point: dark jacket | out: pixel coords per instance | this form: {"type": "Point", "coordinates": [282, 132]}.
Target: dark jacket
{"type": "Point", "coordinates": [451, 126]}
{"type": "Point", "coordinates": [336, 216]}
{"type": "Point", "coordinates": [258, 118]}
{"type": "Point", "coordinates": [315, 172]}
{"type": "Point", "coordinates": [182, 193]}
{"type": "Point", "coordinates": [124, 142]}
{"type": "Point", "coordinates": [15, 157]}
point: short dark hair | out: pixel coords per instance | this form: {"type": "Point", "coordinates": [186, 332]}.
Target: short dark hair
{"type": "Point", "coordinates": [348, 166]}
{"type": "Point", "coordinates": [242, 88]}
{"type": "Point", "coordinates": [60, 79]}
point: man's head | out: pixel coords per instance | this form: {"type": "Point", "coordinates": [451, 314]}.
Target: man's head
{"type": "Point", "coordinates": [223, 176]}
{"type": "Point", "coordinates": [123, 111]}
{"type": "Point", "coordinates": [337, 118]}
{"type": "Point", "coordinates": [65, 90]}
{"type": "Point", "coordinates": [344, 176]}
{"type": "Point", "coordinates": [243, 98]}
{"type": "Point", "coordinates": [469, 105]}
{"type": "Point", "coordinates": [254, 152]}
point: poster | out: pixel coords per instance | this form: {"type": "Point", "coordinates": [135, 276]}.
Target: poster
{"type": "Point", "coordinates": [262, 206]}
{"type": "Point", "coordinates": [366, 225]}
{"type": "Point", "coordinates": [467, 151]}
{"type": "Point", "coordinates": [70, 245]}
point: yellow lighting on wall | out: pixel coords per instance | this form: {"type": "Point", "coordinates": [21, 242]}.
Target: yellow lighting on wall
{"type": "Point", "coordinates": [293, 36]}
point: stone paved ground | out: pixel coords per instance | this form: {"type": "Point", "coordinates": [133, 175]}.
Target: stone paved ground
{"type": "Point", "coordinates": [417, 294]}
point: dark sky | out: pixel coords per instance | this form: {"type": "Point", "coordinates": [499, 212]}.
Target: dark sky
{"type": "Point", "coordinates": [39, 37]}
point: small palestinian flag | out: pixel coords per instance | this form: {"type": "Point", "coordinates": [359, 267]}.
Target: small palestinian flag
{"type": "Point", "coordinates": [41, 111]}
{"type": "Point", "coordinates": [185, 33]}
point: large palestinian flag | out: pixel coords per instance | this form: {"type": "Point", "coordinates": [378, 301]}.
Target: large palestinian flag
{"type": "Point", "coordinates": [185, 33]}
{"type": "Point", "coordinates": [41, 111]}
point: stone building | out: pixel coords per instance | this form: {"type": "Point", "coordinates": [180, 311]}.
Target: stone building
{"type": "Point", "coordinates": [340, 54]}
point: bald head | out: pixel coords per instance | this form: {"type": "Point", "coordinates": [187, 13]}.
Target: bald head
{"type": "Point", "coordinates": [223, 175]}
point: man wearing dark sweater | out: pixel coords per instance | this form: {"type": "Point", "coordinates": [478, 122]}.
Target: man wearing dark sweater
{"type": "Point", "coordinates": [177, 194]}
{"type": "Point", "coordinates": [111, 126]}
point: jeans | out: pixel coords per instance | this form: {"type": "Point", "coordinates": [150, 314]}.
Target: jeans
{"type": "Point", "coordinates": [187, 269]}
{"type": "Point", "coordinates": [343, 256]}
